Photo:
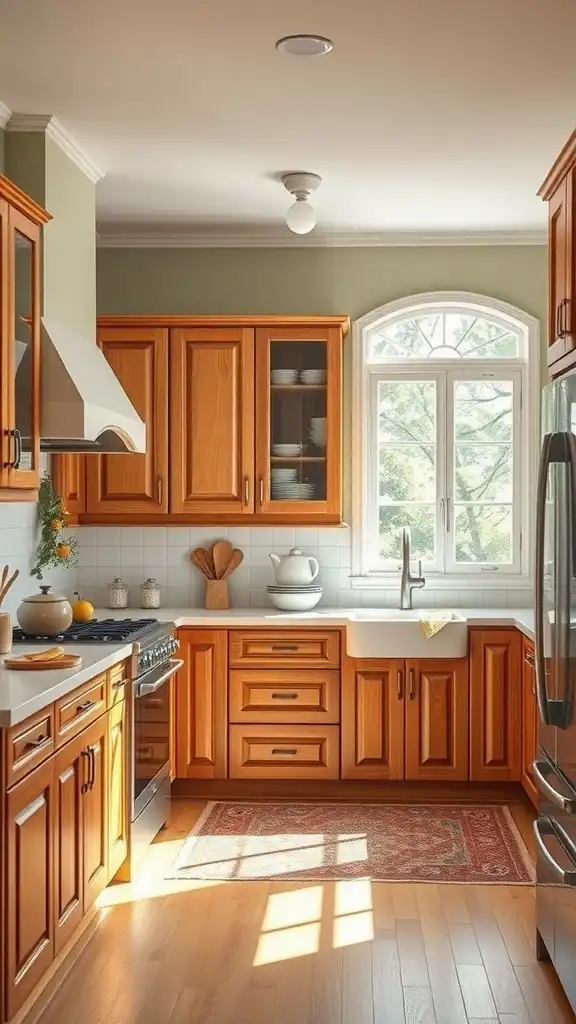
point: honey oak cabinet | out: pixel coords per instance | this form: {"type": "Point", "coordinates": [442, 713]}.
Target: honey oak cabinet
{"type": "Point", "coordinates": [118, 809]}
{"type": "Point", "coordinates": [212, 421]}
{"type": "Point", "coordinates": [201, 705]}
{"type": "Point", "coordinates": [437, 720]}
{"type": "Point", "coordinates": [559, 191]}
{"type": "Point", "coordinates": [529, 720]}
{"type": "Point", "coordinates": [495, 705]}
{"type": "Point", "coordinates": [372, 719]}
{"type": "Point", "coordinates": [71, 775]}
{"type": "Point", "coordinates": [220, 414]}
{"type": "Point", "coordinates": [30, 884]}
{"type": "Point", "coordinates": [95, 817]}
{"type": "Point", "coordinates": [21, 220]}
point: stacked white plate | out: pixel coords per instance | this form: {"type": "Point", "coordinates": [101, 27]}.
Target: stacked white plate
{"type": "Point", "coordinates": [315, 377]}
{"type": "Point", "coordinates": [295, 599]}
{"type": "Point", "coordinates": [285, 485]}
{"type": "Point", "coordinates": [284, 377]}
{"type": "Point", "coordinates": [318, 431]}
{"type": "Point", "coordinates": [287, 451]}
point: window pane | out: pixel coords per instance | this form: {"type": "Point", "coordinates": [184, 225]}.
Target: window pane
{"type": "Point", "coordinates": [477, 338]}
{"type": "Point", "coordinates": [483, 410]}
{"type": "Point", "coordinates": [422, 522]}
{"type": "Point", "coordinates": [439, 335]}
{"type": "Point", "coordinates": [483, 533]}
{"type": "Point", "coordinates": [483, 472]}
{"type": "Point", "coordinates": [407, 410]}
{"type": "Point", "coordinates": [407, 473]}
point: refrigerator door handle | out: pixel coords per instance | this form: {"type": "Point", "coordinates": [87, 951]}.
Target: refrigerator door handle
{"type": "Point", "coordinates": [543, 470]}
{"type": "Point", "coordinates": [545, 827]}
{"type": "Point", "coordinates": [540, 769]}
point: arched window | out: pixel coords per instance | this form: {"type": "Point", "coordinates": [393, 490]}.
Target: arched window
{"type": "Point", "coordinates": [444, 436]}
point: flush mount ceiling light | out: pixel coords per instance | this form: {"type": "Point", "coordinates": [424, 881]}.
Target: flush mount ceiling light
{"type": "Point", "coordinates": [301, 217]}
{"type": "Point", "coordinates": [304, 45]}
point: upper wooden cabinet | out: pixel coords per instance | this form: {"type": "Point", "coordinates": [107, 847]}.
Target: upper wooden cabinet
{"type": "Point", "coordinates": [245, 442]}
{"type": "Point", "coordinates": [495, 705]}
{"type": "Point", "coordinates": [20, 226]}
{"type": "Point", "coordinates": [559, 191]}
{"type": "Point", "coordinates": [135, 483]}
{"type": "Point", "coordinates": [212, 421]}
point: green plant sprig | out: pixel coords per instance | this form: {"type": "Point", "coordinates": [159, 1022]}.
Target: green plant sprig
{"type": "Point", "coordinates": [56, 548]}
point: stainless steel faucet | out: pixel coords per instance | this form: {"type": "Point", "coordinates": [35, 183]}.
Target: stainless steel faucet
{"type": "Point", "coordinates": [409, 583]}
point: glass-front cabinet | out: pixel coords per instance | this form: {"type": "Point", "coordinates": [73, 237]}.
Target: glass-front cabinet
{"type": "Point", "coordinates": [298, 421]}
{"type": "Point", "coordinates": [20, 225]}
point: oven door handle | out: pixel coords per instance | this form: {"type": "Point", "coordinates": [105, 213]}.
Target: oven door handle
{"type": "Point", "coordinates": [544, 827]}
{"type": "Point", "coordinates": [175, 665]}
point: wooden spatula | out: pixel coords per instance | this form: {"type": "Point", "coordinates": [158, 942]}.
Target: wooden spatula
{"type": "Point", "coordinates": [203, 561]}
{"type": "Point", "coordinates": [221, 555]}
{"type": "Point", "coordinates": [236, 559]}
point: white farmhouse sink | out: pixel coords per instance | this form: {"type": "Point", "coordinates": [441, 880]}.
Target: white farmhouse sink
{"type": "Point", "coordinates": [390, 633]}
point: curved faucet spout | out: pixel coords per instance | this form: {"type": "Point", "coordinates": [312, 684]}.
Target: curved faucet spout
{"type": "Point", "coordinates": [408, 583]}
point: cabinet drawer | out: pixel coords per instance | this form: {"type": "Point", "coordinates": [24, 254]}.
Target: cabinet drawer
{"type": "Point", "coordinates": [28, 744]}
{"type": "Point", "coordinates": [118, 683]}
{"type": "Point", "coordinates": [81, 707]}
{"type": "Point", "coordinates": [286, 649]}
{"type": "Point", "coordinates": [284, 752]}
{"type": "Point", "coordinates": [278, 695]}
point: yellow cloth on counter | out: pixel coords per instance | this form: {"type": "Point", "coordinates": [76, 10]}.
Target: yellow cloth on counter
{"type": "Point", "coordinates": [432, 625]}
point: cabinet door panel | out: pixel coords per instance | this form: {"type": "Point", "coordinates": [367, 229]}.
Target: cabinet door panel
{"type": "Point", "coordinates": [284, 752]}
{"type": "Point", "coordinates": [95, 806]}
{"type": "Point", "coordinates": [529, 720]}
{"type": "Point", "coordinates": [437, 720]}
{"type": "Point", "coordinates": [71, 772]}
{"type": "Point", "coordinates": [495, 704]}
{"type": "Point", "coordinates": [117, 787]}
{"type": "Point", "coordinates": [135, 483]}
{"type": "Point", "coordinates": [212, 421]}
{"type": "Point", "coordinates": [30, 814]}
{"type": "Point", "coordinates": [372, 719]}
{"type": "Point", "coordinates": [560, 272]}
{"type": "Point", "coordinates": [201, 705]}
{"type": "Point", "coordinates": [68, 479]}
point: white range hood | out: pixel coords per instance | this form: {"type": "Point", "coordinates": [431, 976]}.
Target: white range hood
{"type": "Point", "coordinates": [83, 407]}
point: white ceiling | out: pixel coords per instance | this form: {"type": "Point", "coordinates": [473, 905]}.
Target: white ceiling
{"type": "Point", "coordinates": [429, 115]}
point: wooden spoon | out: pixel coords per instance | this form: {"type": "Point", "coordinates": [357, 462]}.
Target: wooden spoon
{"type": "Point", "coordinates": [6, 586]}
{"type": "Point", "coordinates": [236, 559]}
{"type": "Point", "coordinates": [201, 559]}
{"type": "Point", "coordinates": [221, 555]}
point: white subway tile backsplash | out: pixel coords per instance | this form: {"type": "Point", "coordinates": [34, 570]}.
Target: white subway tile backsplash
{"type": "Point", "coordinates": [87, 535]}
{"type": "Point", "coordinates": [260, 558]}
{"type": "Point", "coordinates": [343, 535]}
{"type": "Point", "coordinates": [131, 536]}
{"type": "Point", "coordinates": [283, 537]}
{"type": "Point", "coordinates": [329, 558]}
{"type": "Point", "coordinates": [262, 536]}
{"type": "Point", "coordinates": [154, 536]}
{"type": "Point", "coordinates": [307, 538]}
{"type": "Point", "coordinates": [344, 558]}
{"type": "Point", "coordinates": [239, 536]}
{"type": "Point", "coordinates": [131, 557]}
{"type": "Point", "coordinates": [176, 597]}
{"type": "Point", "coordinates": [178, 536]}
{"type": "Point", "coordinates": [154, 555]}
{"type": "Point", "coordinates": [108, 556]}
{"type": "Point", "coordinates": [177, 555]}
{"type": "Point", "coordinates": [328, 537]}
{"type": "Point", "coordinates": [178, 576]}
{"type": "Point", "coordinates": [87, 555]}
{"type": "Point", "coordinates": [108, 535]}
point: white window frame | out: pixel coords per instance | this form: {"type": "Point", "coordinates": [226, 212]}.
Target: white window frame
{"type": "Point", "coordinates": [525, 371]}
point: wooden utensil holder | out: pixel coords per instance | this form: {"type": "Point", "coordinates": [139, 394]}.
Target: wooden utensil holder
{"type": "Point", "coordinates": [216, 595]}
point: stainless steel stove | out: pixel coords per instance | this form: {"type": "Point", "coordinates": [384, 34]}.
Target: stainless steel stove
{"type": "Point", "coordinates": [98, 631]}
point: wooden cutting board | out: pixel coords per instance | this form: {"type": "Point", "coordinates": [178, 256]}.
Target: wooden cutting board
{"type": "Point", "coordinates": [27, 664]}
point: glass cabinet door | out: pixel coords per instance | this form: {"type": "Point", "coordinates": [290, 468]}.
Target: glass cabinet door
{"type": "Point", "coordinates": [298, 420]}
{"type": "Point", "coordinates": [23, 353]}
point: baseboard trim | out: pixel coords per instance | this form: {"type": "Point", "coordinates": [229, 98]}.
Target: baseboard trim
{"type": "Point", "coordinates": [368, 792]}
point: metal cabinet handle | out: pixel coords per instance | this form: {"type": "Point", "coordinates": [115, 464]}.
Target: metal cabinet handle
{"type": "Point", "coordinates": [282, 750]}
{"type": "Point", "coordinates": [11, 463]}
{"type": "Point", "coordinates": [284, 647]}
{"type": "Point", "coordinates": [261, 490]}
{"type": "Point", "coordinates": [37, 743]}
{"type": "Point", "coordinates": [412, 687]}
{"type": "Point", "coordinates": [557, 331]}
{"type": "Point", "coordinates": [540, 769]}
{"type": "Point", "coordinates": [544, 827]}
{"type": "Point", "coordinates": [92, 750]}
{"type": "Point", "coordinates": [284, 696]}
{"type": "Point", "coordinates": [400, 684]}
{"type": "Point", "coordinates": [246, 490]}
{"type": "Point", "coordinates": [120, 684]}
{"type": "Point", "coordinates": [86, 784]}
{"type": "Point", "coordinates": [566, 321]}
{"type": "Point", "coordinates": [81, 708]}
{"type": "Point", "coordinates": [159, 489]}
{"type": "Point", "coordinates": [18, 446]}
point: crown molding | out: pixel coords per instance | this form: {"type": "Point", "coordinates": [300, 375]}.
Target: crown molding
{"type": "Point", "coordinates": [130, 237]}
{"type": "Point", "coordinates": [5, 114]}
{"type": "Point", "coordinates": [51, 126]}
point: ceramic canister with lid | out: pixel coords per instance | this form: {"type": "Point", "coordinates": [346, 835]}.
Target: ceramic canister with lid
{"type": "Point", "coordinates": [44, 613]}
{"type": "Point", "coordinates": [150, 594]}
{"type": "Point", "coordinates": [117, 593]}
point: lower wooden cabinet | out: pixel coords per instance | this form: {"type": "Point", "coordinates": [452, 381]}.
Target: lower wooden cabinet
{"type": "Point", "coordinates": [201, 705]}
{"type": "Point", "coordinates": [71, 773]}
{"type": "Point", "coordinates": [95, 816]}
{"type": "Point", "coordinates": [284, 752]}
{"type": "Point", "coordinates": [29, 931]}
{"type": "Point", "coordinates": [495, 705]}
{"type": "Point", "coordinates": [437, 720]}
{"type": "Point", "coordinates": [372, 719]}
{"type": "Point", "coordinates": [118, 811]}
{"type": "Point", "coordinates": [529, 720]}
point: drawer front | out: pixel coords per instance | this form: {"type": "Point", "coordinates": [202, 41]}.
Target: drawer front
{"type": "Point", "coordinates": [118, 683]}
{"type": "Point", "coordinates": [28, 744]}
{"type": "Point", "coordinates": [278, 695]}
{"type": "Point", "coordinates": [286, 649]}
{"type": "Point", "coordinates": [81, 707]}
{"type": "Point", "coordinates": [284, 752]}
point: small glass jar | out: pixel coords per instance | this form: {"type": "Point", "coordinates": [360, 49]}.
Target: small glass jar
{"type": "Point", "coordinates": [150, 595]}
{"type": "Point", "coordinates": [117, 593]}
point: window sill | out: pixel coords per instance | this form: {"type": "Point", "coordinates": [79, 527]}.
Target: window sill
{"type": "Point", "coordinates": [479, 581]}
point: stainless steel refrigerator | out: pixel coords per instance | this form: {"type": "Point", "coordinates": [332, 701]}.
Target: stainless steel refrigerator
{"type": "Point", "coordinates": [555, 611]}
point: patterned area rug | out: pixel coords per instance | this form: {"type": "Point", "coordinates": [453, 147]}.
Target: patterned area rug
{"type": "Point", "coordinates": [383, 842]}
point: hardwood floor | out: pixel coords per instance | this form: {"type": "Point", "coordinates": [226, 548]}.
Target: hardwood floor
{"type": "Point", "coordinates": [351, 952]}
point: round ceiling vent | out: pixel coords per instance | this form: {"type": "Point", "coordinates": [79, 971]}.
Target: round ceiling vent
{"type": "Point", "coordinates": [304, 46]}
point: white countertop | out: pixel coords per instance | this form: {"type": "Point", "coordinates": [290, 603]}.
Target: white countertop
{"type": "Point", "coordinates": [24, 693]}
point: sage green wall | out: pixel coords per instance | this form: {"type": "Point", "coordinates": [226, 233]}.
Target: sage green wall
{"type": "Point", "coordinates": [1, 151]}
{"type": "Point", "coordinates": [69, 245]}
{"type": "Point", "coordinates": [25, 162]}
{"type": "Point", "coordinates": [309, 281]}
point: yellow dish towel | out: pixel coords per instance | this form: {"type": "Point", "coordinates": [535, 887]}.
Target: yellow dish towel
{"type": "Point", "coordinates": [432, 624]}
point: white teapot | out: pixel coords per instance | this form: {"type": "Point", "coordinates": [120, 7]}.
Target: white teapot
{"type": "Point", "coordinates": [294, 569]}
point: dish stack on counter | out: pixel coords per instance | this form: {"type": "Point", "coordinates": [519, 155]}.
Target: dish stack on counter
{"type": "Point", "coordinates": [295, 588]}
